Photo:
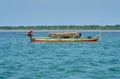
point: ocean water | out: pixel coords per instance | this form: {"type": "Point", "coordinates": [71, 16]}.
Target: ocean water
{"type": "Point", "coordinates": [20, 59]}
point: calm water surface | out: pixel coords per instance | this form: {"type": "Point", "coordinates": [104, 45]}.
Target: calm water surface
{"type": "Point", "coordinates": [20, 59]}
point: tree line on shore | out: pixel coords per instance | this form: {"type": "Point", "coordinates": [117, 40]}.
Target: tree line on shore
{"type": "Point", "coordinates": [63, 27]}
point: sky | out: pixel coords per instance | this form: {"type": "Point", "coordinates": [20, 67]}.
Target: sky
{"type": "Point", "coordinates": [59, 12]}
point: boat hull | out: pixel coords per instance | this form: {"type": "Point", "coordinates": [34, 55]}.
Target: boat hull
{"type": "Point", "coordinates": [64, 40]}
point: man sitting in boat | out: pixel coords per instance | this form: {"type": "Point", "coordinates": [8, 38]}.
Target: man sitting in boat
{"type": "Point", "coordinates": [78, 35]}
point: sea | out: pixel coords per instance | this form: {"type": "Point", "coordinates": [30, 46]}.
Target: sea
{"type": "Point", "coordinates": [21, 59]}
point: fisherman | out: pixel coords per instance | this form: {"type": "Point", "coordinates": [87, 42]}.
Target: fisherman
{"type": "Point", "coordinates": [79, 35]}
{"type": "Point", "coordinates": [29, 33]}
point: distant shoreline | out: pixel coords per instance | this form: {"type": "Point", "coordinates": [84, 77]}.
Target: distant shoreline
{"type": "Point", "coordinates": [62, 27]}
{"type": "Point", "coordinates": [61, 30]}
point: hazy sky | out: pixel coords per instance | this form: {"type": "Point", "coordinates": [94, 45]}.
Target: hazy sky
{"type": "Point", "coordinates": [59, 12]}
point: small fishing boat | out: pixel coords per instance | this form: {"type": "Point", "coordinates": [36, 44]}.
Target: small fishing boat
{"type": "Point", "coordinates": [77, 38]}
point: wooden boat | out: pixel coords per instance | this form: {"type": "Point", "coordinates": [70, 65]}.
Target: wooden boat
{"type": "Point", "coordinates": [63, 37]}
{"type": "Point", "coordinates": [49, 39]}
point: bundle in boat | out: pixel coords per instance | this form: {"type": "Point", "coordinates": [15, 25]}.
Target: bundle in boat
{"type": "Point", "coordinates": [64, 35]}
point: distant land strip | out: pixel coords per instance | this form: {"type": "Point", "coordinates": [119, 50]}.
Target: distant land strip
{"type": "Point", "coordinates": [62, 27]}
